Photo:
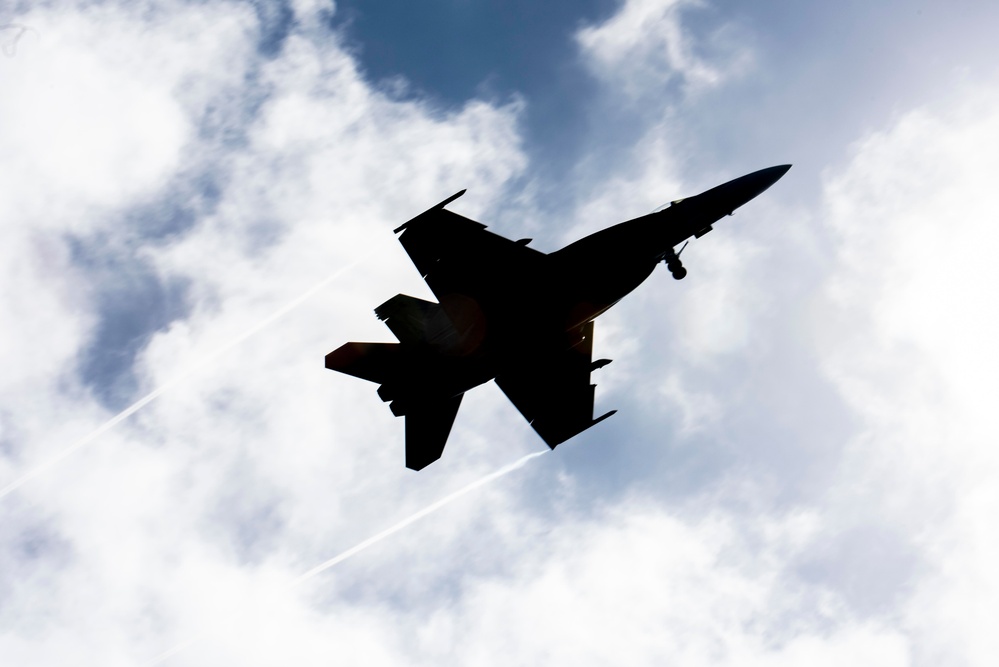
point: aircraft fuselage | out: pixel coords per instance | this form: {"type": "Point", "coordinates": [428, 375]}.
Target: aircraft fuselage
{"type": "Point", "coordinates": [607, 265]}
{"type": "Point", "coordinates": [510, 313]}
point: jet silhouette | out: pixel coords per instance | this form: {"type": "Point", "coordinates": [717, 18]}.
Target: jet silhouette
{"type": "Point", "coordinates": [522, 317]}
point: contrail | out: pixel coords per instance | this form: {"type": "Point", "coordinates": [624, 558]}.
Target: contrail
{"type": "Point", "coordinates": [10, 47]}
{"type": "Point", "coordinates": [429, 509]}
{"type": "Point", "coordinates": [139, 404]}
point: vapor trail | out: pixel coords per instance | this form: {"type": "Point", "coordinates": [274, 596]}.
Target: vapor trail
{"type": "Point", "coordinates": [183, 375]}
{"type": "Point", "coordinates": [429, 509]}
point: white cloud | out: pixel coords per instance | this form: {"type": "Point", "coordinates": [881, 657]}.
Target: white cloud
{"type": "Point", "coordinates": [641, 586]}
{"type": "Point", "coordinates": [195, 514]}
{"type": "Point", "coordinates": [645, 46]}
{"type": "Point", "coordinates": [98, 113]}
{"type": "Point", "coordinates": [910, 339]}
{"type": "Point", "coordinates": [905, 331]}
{"type": "Point", "coordinates": [696, 408]}
{"type": "Point", "coordinates": [158, 527]}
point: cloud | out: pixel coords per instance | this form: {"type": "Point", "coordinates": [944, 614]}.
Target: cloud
{"type": "Point", "coordinates": [641, 585]}
{"type": "Point", "coordinates": [814, 484]}
{"type": "Point", "coordinates": [697, 588]}
{"type": "Point", "coordinates": [693, 591]}
{"type": "Point", "coordinates": [646, 46]}
{"type": "Point", "coordinates": [890, 371]}
{"type": "Point", "coordinates": [154, 529]}
{"type": "Point", "coordinates": [909, 338]}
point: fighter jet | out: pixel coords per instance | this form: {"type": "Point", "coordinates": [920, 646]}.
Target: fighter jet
{"type": "Point", "coordinates": [509, 313]}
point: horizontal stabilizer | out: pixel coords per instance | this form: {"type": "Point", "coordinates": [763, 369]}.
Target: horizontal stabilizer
{"type": "Point", "coordinates": [427, 428]}
{"type": "Point", "coordinates": [376, 362]}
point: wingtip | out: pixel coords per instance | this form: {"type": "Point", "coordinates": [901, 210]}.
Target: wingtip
{"type": "Point", "coordinates": [436, 207]}
{"type": "Point", "coordinates": [603, 417]}
{"type": "Point", "coordinates": [451, 198]}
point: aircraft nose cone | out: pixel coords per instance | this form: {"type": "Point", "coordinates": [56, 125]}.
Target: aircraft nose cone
{"type": "Point", "coordinates": [771, 175]}
{"type": "Point", "coordinates": [751, 185]}
{"type": "Point", "coordinates": [730, 196]}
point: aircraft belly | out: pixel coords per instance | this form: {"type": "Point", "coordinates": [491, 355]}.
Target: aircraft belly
{"type": "Point", "coordinates": [603, 286]}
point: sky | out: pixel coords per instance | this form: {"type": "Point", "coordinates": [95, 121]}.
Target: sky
{"type": "Point", "coordinates": [198, 205]}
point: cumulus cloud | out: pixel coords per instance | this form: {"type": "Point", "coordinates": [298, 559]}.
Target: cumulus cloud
{"type": "Point", "coordinates": [700, 589]}
{"type": "Point", "coordinates": [903, 335]}
{"type": "Point", "coordinates": [266, 170]}
{"type": "Point", "coordinates": [646, 46]}
{"type": "Point", "coordinates": [909, 338]}
{"type": "Point", "coordinates": [694, 591]}
{"type": "Point", "coordinates": [120, 111]}
{"type": "Point", "coordinates": [899, 326]}
{"type": "Point", "coordinates": [92, 124]}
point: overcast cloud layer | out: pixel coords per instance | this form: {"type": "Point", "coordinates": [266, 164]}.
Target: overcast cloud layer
{"type": "Point", "coordinates": [803, 468]}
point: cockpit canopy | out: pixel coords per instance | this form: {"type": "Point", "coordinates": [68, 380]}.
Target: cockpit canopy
{"type": "Point", "coordinates": [667, 205]}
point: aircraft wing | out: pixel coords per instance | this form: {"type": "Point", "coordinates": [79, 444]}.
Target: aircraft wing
{"type": "Point", "coordinates": [457, 257]}
{"type": "Point", "coordinates": [478, 275]}
{"type": "Point", "coordinates": [552, 388]}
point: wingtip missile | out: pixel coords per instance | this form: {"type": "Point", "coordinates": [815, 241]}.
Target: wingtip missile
{"type": "Point", "coordinates": [463, 191]}
{"type": "Point", "coordinates": [603, 417]}
{"type": "Point", "coordinates": [436, 207]}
